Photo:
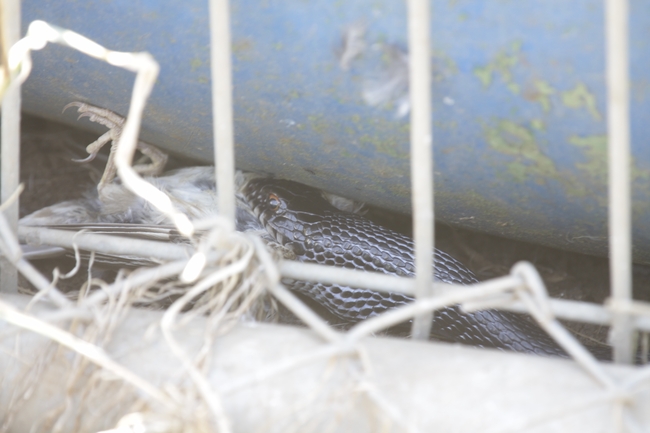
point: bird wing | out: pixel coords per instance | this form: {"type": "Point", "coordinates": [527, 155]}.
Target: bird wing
{"type": "Point", "coordinates": [161, 233]}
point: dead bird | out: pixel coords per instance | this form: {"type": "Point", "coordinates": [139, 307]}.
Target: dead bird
{"type": "Point", "coordinates": [312, 225]}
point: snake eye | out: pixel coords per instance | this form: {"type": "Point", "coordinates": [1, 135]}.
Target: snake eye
{"type": "Point", "coordinates": [274, 202]}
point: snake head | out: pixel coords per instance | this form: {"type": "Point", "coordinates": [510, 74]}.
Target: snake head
{"type": "Point", "coordinates": [284, 207]}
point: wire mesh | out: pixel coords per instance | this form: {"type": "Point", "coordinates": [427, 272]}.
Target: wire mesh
{"type": "Point", "coordinates": [620, 205]}
{"type": "Point", "coordinates": [231, 271]}
{"type": "Point", "coordinates": [10, 140]}
{"type": "Point", "coordinates": [421, 156]}
{"type": "Point", "coordinates": [224, 154]}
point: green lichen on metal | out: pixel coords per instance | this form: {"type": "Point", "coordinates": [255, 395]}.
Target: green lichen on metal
{"type": "Point", "coordinates": [318, 124]}
{"type": "Point", "coordinates": [288, 148]}
{"type": "Point", "coordinates": [484, 74]}
{"type": "Point", "coordinates": [640, 174]}
{"type": "Point", "coordinates": [513, 87]}
{"type": "Point", "coordinates": [293, 94]}
{"type": "Point", "coordinates": [538, 125]}
{"type": "Point", "coordinates": [384, 137]}
{"type": "Point", "coordinates": [502, 64]}
{"type": "Point", "coordinates": [592, 180]}
{"type": "Point", "coordinates": [346, 153]}
{"type": "Point", "coordinates": [595, 151]}
{"type": "Point", "coordinates": [400, 191]}
{"type": "Point", "coordinates": [444, 65]}
{"type": "Point", "coordinates": [388, 146]}
{"type": "Point", "coordinates": [242, 50]}
{"type": "Point", "coordinates": [381, 170]}
{"type": "Point", "coordinates": [512, 139]}
{"type": "Point", "coordinates": [518, 171]}
{"type": "Point", "coordinates": [241, 45]}
{"type": "Point", "coordinates": [543, 92]}
{"type": "Point", "coordinates": [580, 97]}
{"type": "Point", "coordinates": [195, 64]}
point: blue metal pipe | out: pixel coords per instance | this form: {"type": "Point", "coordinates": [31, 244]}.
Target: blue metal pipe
{"type": "Point", "coordinates": [320, 96]}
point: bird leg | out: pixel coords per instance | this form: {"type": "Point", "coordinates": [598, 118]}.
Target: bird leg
{"type": "Point", "coordinates": [115, 123]}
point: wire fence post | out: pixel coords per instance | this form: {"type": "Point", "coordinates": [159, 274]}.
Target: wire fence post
{"type": "Point", "coordinates": [10, 146]}
{"type": "Point", "coordinates": [222, 118]}
{"type": "Point", "coordinates": [421, 156]}
{"type": "Point", "coordinates": [618, 138]}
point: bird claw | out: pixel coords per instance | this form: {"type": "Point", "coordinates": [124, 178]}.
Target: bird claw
{"type": "Point", "coordinates": [115, 123]}
{"type": "Point", "coordinates": [99, 115]}
{"type": "Point", "coordinates": [85, 160]}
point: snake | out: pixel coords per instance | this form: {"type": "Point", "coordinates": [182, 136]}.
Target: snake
{"type": "Point", "coordinates": [302, 220]}
{"type": "Point", "coordinates": [306, 222]}
{"type": "Point", "coordinates": [299, 218]}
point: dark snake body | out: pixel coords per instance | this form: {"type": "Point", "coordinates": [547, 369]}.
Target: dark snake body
{"type": "Point", "coordinates": [299, 218]}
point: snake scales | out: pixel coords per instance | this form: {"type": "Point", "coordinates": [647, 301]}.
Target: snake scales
{"type": "Point", "coordinates": [299, 218]}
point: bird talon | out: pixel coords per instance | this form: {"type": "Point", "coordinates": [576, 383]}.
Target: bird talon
{"type": "Point", "coordinates": [115, 123]}
{"type": "Point", "coordinates": [99, 115]}
{"type": "Point", "coordinates": [89, 158]}
{"type": "Point", "coordinates": [73, 104]}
